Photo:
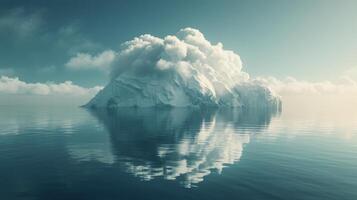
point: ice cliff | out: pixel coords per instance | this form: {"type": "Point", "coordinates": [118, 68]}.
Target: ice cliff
{"type": "Point", "coordinates": [180, 70]}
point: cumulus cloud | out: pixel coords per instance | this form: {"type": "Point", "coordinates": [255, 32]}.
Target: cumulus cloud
{"type": "Point", "coordinates": [187, 52]}
{"type": "Point", "coordinates": [86, 61]}
{"type": "Point", "coordinates": [10, 85]}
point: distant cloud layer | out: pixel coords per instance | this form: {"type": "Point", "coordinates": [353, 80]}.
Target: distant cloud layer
{"type": "Point", "coordinates": [291, 86]}
{"type": "Point", "coordinates": [188, 52]}
{"type": "Point", "coordinates": [15, 86]}
{"type": "Point", "coordinates": [283, 87]}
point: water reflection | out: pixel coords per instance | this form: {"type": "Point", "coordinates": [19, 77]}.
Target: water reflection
{"type": "Point", "coordinates": [184, 144]}
{"type": "Point", "coordinates": [104, 155]}
{"type": "Point", "coordinates": [179, 144]}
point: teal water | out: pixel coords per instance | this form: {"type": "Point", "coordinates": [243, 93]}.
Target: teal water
{"type": "Point", "coordinates": [73, 153]}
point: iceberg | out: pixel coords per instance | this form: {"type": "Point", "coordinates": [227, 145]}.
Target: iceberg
{"type": "Point", "coordinates": [182, 70]}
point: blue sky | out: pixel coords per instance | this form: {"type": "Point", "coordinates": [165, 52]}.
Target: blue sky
{"type": "Point", "coordinates": [309, 40]}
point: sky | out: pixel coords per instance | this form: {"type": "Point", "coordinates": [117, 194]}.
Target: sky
{"type": "Point", "coordinates": [47, 42]}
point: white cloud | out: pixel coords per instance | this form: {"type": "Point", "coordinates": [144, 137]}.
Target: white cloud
{"type": "Point", "coordinates": [311, 97]}
{"type": "Point", "coordinates": [187, 52]}
{"type": "Point", "coordinates": [86, 61]}
{"type": "Point", "coordinates": [291, 86]}
{"type": "Point", "coordinates": [15, 86]}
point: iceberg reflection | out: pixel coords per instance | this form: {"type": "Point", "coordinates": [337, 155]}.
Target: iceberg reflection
{"type": "Point", "coordinates": [180, 144]}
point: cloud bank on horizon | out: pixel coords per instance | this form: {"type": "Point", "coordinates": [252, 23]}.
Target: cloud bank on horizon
{"type": "Point", "coordinates": [187, 55]}
{"type": "Point", "coordinates": [283, 87]}
{"type": "Point", "coordinates": [291, 86]}
{"type": "Point", "coordinates": [10, 85]}
{"type": "Point", "coordinates": [224, 61]}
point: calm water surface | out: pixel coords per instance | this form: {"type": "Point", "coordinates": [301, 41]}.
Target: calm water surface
{"type": "Point", "coordinates": [72, 153]}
